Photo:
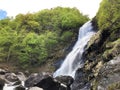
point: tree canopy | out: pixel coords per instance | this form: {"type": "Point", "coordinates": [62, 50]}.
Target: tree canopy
{"type": "Point", "coordinates": [33, 37]}
{"type": "Point", "coordinates": [108, 14]}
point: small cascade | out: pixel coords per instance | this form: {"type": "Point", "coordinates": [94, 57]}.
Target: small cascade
{"type": "Point", "coordinates": [73, 60]}
{"type": "Point", "coordinates": [7, 87]}
{"type": "Point", "coordinates": [13, 87]}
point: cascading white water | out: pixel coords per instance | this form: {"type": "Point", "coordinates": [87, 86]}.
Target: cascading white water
{"type": "Point", "coordinates": [10, 87]}
{"type": "Point", "coordinates": [73, 59]}
{"type": "Point", "coordinates": [7, 87]}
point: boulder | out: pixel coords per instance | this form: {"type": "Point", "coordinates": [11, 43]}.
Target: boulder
{"type": "Point", "coordinates": [45, 81]}
{"type": "Point", "coordinates": [21, 76]}
{"type": "Point", "coordinates": [66, 80]}
{"type": "Point", "coordinates": [3, 72]}
{"type": "Point", "coordinates": [33, 79]}
{"type": "Point", "coordinates": [20, 88]}
{"type": "Point", "coordinates": [48, 83]}
{"type": "Point", "coordinates": [11, 77]}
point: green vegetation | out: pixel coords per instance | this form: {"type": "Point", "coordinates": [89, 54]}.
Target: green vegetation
{"type": "Point", "coordinates": [32, 39]}
{"type": "Point", "coordinates": [109, 14]}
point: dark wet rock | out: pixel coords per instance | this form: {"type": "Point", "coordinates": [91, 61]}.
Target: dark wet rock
{"type": "Point", "coordinates": [3, 72]}
{"type": "Point", "coordinates": [11, 77]}
{"type": "Point", "coordinates": [66, 80]}
{"type": "Point", "coordinates": [16, 83]}
{"type": "Point", "coordinates": [1, 83]}
{"type": "Point", "coordinates": [48, 83]}
{"type": "Point", "coordinates": [80, 80]}
{"type": "Point", "coordinates": [2, 79]}
{"type": "Point", "coordinates": [109, 76]}
{"type": "Point", "coordinates": [1, 87]}
{"type": "Point", "coordinates": [20, 88]}
{"type": "Point", "coordinates": [33, 79]}
{"type": "Point", "coordinates": [45, 81]}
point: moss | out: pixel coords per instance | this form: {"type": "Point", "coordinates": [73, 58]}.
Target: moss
{"type": "Point", "coordinates": [113, 49]}
{"type": "Point", "coordinates": [114, 86]}
{"type": "Point", "coordinates": [94, 85]}
{"type": "Point", "coordinates": [114, 35]}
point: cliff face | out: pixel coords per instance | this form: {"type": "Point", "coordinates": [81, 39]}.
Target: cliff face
{"type": "Point", "coordinates": [102, 48]}
{"type": "Point", "coordinates": [106, 43]}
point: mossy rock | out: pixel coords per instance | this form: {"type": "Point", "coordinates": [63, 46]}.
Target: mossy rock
{"type": "Point", "coordinates": [112, 49]}
{"type": "Point", "coordinates": [114, 86]}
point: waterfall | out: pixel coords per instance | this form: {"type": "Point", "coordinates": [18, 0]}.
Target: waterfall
{"type": "Point", "coordinates": [73, 60]}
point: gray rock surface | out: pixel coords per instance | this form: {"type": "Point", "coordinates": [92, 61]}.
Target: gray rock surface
{"type": "Point", "coordinates": [109, 75]}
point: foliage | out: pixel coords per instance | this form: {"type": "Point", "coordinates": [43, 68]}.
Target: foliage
{"type": "Point", "coordinates": [30, 39]}
{"type": "Point", "coordinates": [60, 18]}
{"type": "Point", "coordinates": [66, 36]}
{"type": "Point", "coordinates": [109, 14]}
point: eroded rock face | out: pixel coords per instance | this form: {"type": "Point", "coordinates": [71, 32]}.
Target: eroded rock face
{"type": "Point", "coordinates": [109, 75]}
{"type": "Point", "coordinates": [80, 82]}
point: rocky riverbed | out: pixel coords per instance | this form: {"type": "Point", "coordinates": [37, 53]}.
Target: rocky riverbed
{"type": "Point", "coordinates": [107, 79]}
{"type": "Point", "coordinates": [35, 81]}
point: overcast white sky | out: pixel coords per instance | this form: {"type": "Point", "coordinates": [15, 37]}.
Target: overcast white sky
{"type": "Point", "coordinates": [14, 7]}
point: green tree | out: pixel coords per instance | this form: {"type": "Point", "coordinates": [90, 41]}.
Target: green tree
{"type": "Point", "coordinates": [30, 39]}
{"type": "Point", "coordinates": [7, 41]}
{"type": "Point", "coordinates": [108, 14]}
